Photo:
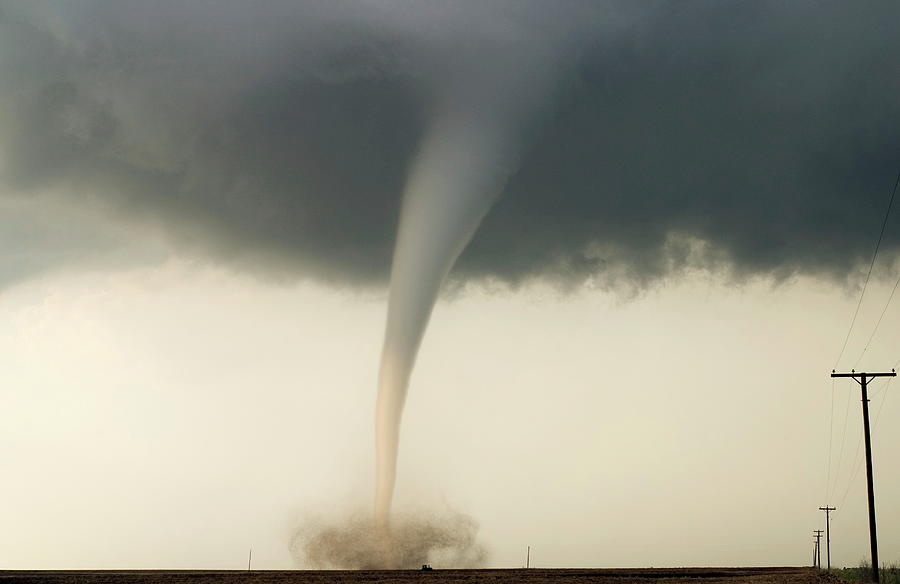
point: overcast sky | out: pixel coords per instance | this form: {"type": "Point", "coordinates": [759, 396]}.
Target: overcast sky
{"type": "Point", "coordinates": [198, 205]}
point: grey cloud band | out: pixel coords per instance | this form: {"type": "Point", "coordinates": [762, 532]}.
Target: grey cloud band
{"type": "Point", "coordinates": [761, 136]}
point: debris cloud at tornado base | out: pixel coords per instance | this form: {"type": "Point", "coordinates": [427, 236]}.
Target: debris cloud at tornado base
{"type": "Point", "coordinates": [445, 539]}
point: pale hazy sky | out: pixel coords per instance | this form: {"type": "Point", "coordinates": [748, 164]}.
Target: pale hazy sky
{"type": "Point", "coordinates": [173, 416]}
{"type": "Point", "coordinates": [630, 367]}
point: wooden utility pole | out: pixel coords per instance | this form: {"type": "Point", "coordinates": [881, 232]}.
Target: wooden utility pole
{"type": "Point", "coordinates": [828, 511]}
{"type": "Point", "coordinates": [528, 558]}
{"type": "Point", "coordinates": [249, 559]}
{"type": "Point", "coordinates": [862, 380]}
{"type": "Point", "coordinates": [817, 561]}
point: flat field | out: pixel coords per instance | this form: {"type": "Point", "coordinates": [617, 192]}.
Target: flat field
{"type": "Point", "coordinates": [533, 576]}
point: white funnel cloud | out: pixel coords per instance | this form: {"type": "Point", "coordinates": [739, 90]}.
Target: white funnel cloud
{"type": "Point", "coordinates": [469, 152]}
{"type": "Point", "coordinates": [456, 177]}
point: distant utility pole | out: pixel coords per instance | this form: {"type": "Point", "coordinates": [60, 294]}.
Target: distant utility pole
{"type": "Point", "coordinates": [862, 379]}
{"type": "Point", "coordinates": [817, 561]}
{"type": "Point", "coordinates": [528, 558]}
{"type": "Point", "coordinates": [249, 559]}
{"type": "Point", "coordinates": [828, 511]}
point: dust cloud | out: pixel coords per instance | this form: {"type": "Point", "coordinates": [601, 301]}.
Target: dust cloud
{"type": "Point", "coordinates": [446, 539]}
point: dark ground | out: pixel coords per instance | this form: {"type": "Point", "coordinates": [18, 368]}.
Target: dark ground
{"type": "Point", "coordinates": [533, 576]}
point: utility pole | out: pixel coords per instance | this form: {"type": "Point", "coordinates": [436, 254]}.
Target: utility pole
{"type": "Point", "coordinates": [862, 380]}
{"type": "Point", "coordinates": [828, 511]}
{"type": "Point", "coordinates": [249, 559]}
{"type": "Point", "coordinates": [528, 558]}
{"type": "Point", "coordinates": [817, 562]}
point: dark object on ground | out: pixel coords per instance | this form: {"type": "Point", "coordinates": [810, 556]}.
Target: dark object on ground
{"type": "Point", "coordinates": [426, 568]}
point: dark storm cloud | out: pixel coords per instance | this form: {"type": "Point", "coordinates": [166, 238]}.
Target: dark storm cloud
{"type": "Point", "coordinates": [770, 131]}
{"type": "Point", "coordinates": [276, 137]}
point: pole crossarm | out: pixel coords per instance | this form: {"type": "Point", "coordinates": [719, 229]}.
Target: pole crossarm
{"type": "Point", "coordinates": [856, 374]}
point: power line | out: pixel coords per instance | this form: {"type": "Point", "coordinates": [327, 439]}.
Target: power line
{"type": "Point", "coordinates": [869, 274]}
{"type": "Point", "coordinates": [877, 324]}
{"type": "Point", "coordinates": [893, 290]}
{"type": "Point", "coordinates": [837, 473]}
{"type": "Point", "coordinates": [844, 347]}
{"type": "Point", "coordinates": [879, 390]}
{"type": "Point", "coordinates": [855, 466]}
{"type": "Point", "coordinates": [883, 399]}
{"type": "Point", "coordinates": [830, 440]}
{"type": "Point", "coordinates": [856, 459]}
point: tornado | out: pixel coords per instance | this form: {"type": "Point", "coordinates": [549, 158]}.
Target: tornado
{"type": "Point", "coordinates": [455, 178]}
{"type": "Point", "coordinates": [470, 148]}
